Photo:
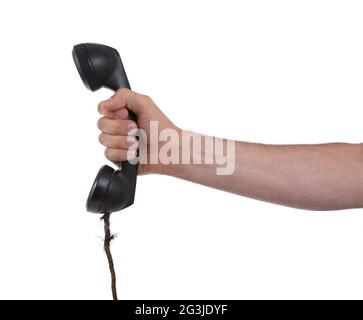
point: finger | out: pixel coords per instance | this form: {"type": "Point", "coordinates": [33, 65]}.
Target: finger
{"type": "Point", "coordinates": [118, 142]}
{"type": "Point", "coordinates": [121, 114]}
{"type": "Point", "coordinates": [117, 114]}
{"type": "Point", "coordinates": [115, 126]}
{"type": "Point", "coordinates": [117, 101]}
{"type": "Point", "coordinates": [117, 155]}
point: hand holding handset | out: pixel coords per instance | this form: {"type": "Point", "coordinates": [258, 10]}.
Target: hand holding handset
{"type": "Point", "coordinates": [101, 66]}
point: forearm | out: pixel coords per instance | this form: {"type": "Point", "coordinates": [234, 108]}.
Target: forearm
{"type": "Point", "coordinates": [314, 177]}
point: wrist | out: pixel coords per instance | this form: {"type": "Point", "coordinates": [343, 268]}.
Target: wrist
{"type": "Point", "coordinates": [156, 160]}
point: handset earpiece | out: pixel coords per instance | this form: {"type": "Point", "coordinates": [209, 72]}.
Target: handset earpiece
{"type": "Point", "coordinates": [101, 66]}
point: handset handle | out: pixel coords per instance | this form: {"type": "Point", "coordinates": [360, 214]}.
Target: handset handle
{"type": "Point", "coordinates": [117, 81]}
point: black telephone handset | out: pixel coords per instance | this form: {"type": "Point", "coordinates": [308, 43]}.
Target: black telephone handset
{"type": "Point", "coordinates": [101, 66]}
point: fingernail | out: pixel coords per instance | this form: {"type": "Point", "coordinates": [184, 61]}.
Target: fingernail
{"type": "Point", "coordinates": [132, 126]}
{"type": "Point", "coordinates": [134, 146]}
{"type": "Point", "coordinates": [131, 154]}
{"type": "Point", "coordinates": [131, 140]}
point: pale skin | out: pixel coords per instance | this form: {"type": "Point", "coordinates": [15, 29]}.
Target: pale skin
{"type": "Point", "coordinates": [312, 177]}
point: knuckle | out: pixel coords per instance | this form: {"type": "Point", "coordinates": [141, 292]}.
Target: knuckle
{"type": "Point", "coordinates": [146, 97]}
{"type": "Point", "coordinates": [108, 153]}
{"type": "Point", "coordinates": [122, 91]}
{"type": "Point", "coordinates": [100, 108]}
{"type": "Point", "coordinates": [100, 123]}
{"type": "Point", "coordinates": [100, 138]}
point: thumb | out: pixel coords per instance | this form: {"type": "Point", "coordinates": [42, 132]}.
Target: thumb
{"type": "Point", "coordinates": [124, 98]}
{"type": "Point", "coordinates": [138, 103]}
{"type": "Point", "coordinates": [116, 102]}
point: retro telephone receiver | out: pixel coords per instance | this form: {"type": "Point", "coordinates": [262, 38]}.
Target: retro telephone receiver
{"type": "Point", "coordinates": [101, 66]}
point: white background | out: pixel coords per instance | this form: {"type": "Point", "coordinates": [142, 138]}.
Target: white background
{"type": "Point", "coordinates": [262, 71]}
